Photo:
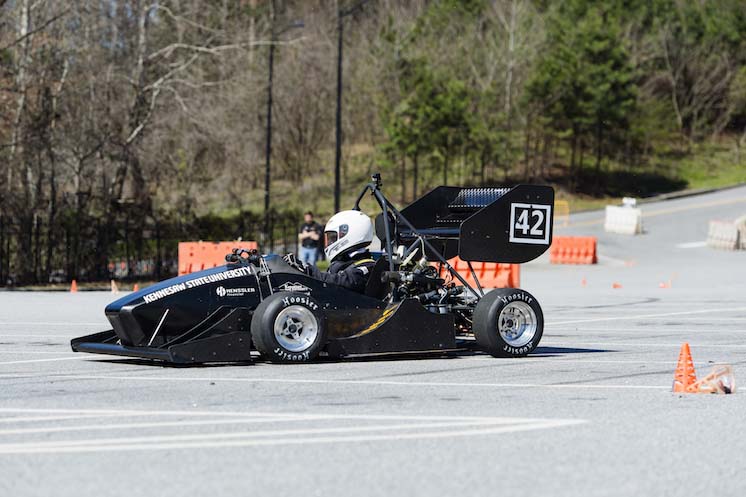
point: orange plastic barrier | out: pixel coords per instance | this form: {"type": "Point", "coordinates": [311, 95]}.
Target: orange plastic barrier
{"type": "Point", "coordinates": [489, 274]}
{"type": "Point", "coordinates": [573, 250]}
{"type": "Point", "coordinates": [196, 256]}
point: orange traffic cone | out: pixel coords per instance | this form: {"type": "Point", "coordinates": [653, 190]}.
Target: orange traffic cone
{"type": "Point", "coordinates": [73, 286]}
{"type": "Point", "coordinates": [114, 288]}
{"type": "Point", "coordinates": [136, 288]}
{"type": "Point", "coordinates": [685, 375]}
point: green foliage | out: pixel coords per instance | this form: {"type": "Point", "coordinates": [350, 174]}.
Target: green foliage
{"type": "Point", "coordinates": [584, 83]}
{"type": "Point", "coordinates": [112, 128]}
{"type": "Point", "coordinates": [610, 84]}
{"type": "Point", "coordinates": [431, 119]}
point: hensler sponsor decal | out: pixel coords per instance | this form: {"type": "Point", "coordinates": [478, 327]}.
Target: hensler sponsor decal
{"type": "Point", "coordinates": [210, 278]}
{"type": "Point", "coordinates": [233, 292]}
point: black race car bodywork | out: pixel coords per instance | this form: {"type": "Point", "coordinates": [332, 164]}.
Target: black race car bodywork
{"type": "Point", "coordinates": [261, 303]}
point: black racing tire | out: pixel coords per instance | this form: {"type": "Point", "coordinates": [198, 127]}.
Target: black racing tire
{"type": "Point", "coordinates": [508, 322]}
{"type": "Point", "coordinates": [289, 327]}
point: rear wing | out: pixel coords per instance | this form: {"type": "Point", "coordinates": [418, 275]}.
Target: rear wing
{"type": "Point", "coordinates": [510, 225]}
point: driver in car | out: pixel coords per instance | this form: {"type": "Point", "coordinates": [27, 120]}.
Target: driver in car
{"type": "Point", "coordinates": [347, 236]}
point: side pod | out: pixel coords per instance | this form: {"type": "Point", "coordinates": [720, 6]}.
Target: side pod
{"type": "Point", "coordinates": [403, 327]}
{"type": "Point", "coordinates": [213, 340]}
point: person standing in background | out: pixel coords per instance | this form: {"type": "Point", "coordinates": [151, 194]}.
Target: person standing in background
{"type": "Point", "coordinates": [309, 236]}
{"type": "Point", "coordinates": [320, 254]}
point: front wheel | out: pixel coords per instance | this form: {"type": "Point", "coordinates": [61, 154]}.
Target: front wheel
{"type": "Point", "coordinates": [508, 322]}
{"type": "Point", "coordinates": [288, 327]}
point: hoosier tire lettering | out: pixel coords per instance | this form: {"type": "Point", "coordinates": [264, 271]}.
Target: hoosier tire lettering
{"type": "Point", "coordinates": [508, 322]}
{"type": "Point", "coordinates": [300, 300]}
{"type": "Point", "coordinates": [517, 351]}
{"type": "Point", "coordinates": [289, 327]}
{"type": "Point", "coordinates": [291, 357]}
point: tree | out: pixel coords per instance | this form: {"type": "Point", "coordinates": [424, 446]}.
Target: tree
{"type": "Point", "coordinates": [584, 83]}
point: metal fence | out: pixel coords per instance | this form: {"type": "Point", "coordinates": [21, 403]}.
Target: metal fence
{"type": "Point", "coordinates": [124, 247]}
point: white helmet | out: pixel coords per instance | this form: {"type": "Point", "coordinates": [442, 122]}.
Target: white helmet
{"type": "Point", "coordinates": [346, 231]}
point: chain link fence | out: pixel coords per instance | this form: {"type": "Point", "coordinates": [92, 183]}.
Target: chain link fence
{"type": "Point", "coordinates": [126, 245]}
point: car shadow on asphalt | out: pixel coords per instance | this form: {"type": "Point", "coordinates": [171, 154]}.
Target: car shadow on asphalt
{"type": "Point", "coordinates": [458, 354]}
{"type": "Point", "coordinates": [162, 364]}
{"type": "Point", "coordinates": [542, 352]}
{"type": "Point", "coordinates": [560, 351]}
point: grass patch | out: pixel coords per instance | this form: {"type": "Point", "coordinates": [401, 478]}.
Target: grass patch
{"type": "Point", "coordinates": [712, 165]}
{"type": "Point", "coordinates": [707, 165]}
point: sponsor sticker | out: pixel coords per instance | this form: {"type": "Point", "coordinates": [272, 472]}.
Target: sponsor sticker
{"type": "Point", "coordinates": [293, 287]}
{"type": "Point", "coordinates": [233, 292]}
{"type": "Point", "coordinates": [197, 282]}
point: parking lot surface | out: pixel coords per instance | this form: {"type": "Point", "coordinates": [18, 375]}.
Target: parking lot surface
{"type": "Point", "coordinates": [590, 413]}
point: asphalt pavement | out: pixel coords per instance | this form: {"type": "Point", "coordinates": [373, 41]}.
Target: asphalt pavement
{"type": "Point", "coordinates": [591, 413]}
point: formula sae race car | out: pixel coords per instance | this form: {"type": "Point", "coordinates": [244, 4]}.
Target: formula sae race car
{"type": "Point", "coordinates": [260, 303]}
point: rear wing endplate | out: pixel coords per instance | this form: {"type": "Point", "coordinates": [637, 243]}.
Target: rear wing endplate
{"type": "Point", "coordinates": [510, 225]}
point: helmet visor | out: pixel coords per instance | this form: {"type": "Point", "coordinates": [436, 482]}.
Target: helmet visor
{"type": "Point", "coordinates": [330, 237]}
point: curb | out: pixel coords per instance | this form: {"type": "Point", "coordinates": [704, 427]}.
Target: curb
{"type": "Point", "coordinates": [688, 193]}
{"type": "Point", "coordinates": [672, 196]}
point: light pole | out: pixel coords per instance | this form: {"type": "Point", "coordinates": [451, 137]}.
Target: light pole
{"type": "Point", "coordinates": [341, 14]}
{"type": "Point", "coordinates": [268, 149]}
{"type": "Point", "coordinates": [268, 164]}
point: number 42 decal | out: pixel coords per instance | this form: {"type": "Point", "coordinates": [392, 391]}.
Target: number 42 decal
{"type": "Point", "coordinates": [530, 223]}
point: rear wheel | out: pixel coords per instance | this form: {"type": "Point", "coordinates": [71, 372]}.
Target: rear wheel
{"type": "Point", "coordinates": [508, 322]}
{"type": "Point", "coordinates": [288, 327]}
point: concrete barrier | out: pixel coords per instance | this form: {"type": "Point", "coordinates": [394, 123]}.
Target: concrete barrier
{"type": "Point", "coordinates": [741, 225]}
{"type": "Point", "coordinates": [623, 220]}
{"type": "Point", "coordinates": [723, 235]}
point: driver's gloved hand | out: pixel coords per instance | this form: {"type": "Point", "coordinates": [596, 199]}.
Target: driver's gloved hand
{"type": "Point", "coordinates": [293, 262]}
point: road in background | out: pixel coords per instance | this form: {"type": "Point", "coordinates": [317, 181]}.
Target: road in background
{"type": "Point", "coordinates": [591, 413]}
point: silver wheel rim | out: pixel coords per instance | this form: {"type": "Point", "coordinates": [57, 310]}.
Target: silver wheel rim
{"type": "Point", "coordinates": [296, 328]}
{"type": "Point", "coordinates": [517, 324]}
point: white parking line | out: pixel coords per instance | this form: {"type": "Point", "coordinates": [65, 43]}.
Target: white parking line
{"type": "Point", "coordinates": [559, 358]}
{"type": "Point", "coordinates": [562, 360]}
{"type": "Point", "coordinates": [239, 434]}
{"type": "Point", "coordinates": [707, 319]}
{"type": "Point", "coordinates": [363, 382]}
{"type": "Point", "coordinates": [642, 331]}
{"type": "Point", "coordinates": [261, 414]}
{"type": "Point", "coordinates": [155, 424]}
{"type": "Point", "coordinates": [690, 245]}
{"type": "Point", "coordinates": [34, 351]}
{"type": "Point", "coordinates": [49, 323]}
{"type": "Point", "coordinates": [34, 335]}
{"type": "Point", "coordinates": [27, 361]}
{"type": "Point", "coordinates": [282, 437]}
{"type": "Point", "coordinates": [61, 417]}
{"type": "Point", "coordinates": [613, 260]}
{"type": "Point", "coordinates": [645, 316]}
{"type": "Point", "coordinates": [645, 344]}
